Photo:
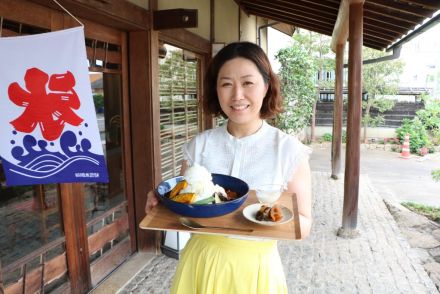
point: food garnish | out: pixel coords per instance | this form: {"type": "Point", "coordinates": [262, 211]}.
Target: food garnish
{"type": "Point", "coordinates": [267, 213]}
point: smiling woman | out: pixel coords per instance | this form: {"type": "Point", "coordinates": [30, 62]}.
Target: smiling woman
{"type": "Point", "coordinates": [241, 86]}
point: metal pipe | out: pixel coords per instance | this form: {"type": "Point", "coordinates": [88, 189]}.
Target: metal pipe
{"type": "Point", "coordinates": [395, 55]}
{"type": "Point", "coordinates": [262, 27]}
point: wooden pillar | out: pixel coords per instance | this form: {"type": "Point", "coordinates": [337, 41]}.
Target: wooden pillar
{"type": "Point", "coordinates": [77, 250]}
{"type": "Point", "coordinates": [145, 122]}
{"type": "Point", "coordinates": [354, 114]}
{"type": "Point", "coordinates": [338, 108]}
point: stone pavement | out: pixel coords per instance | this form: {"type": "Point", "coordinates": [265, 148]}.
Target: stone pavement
{"type": "Point", "coordinates": [379, 261]}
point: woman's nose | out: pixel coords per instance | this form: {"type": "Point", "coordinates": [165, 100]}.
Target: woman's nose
{"type": "Point", "coordinates": [238, 93]}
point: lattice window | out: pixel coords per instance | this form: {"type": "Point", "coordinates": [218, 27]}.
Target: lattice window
{"type": "Point", "coordinates": [179, 119]}
{"type": "Point", "coordinates": [103, 56]}
{"type": "Point", "coordinates": [9, 28]}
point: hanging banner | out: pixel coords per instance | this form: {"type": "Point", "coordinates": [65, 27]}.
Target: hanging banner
{"type": "Point", "coordinates": [48, 127]}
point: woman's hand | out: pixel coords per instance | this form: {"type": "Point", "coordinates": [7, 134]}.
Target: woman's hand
{"type": "Point", "coordinates": [152, 201]}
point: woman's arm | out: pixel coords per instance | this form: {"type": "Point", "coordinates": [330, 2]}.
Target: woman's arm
{"type": "Point", "coordinates": [301, 184]}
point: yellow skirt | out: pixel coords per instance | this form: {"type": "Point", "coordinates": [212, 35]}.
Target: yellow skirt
{"type": "Point", "coordinates": [216, 265]}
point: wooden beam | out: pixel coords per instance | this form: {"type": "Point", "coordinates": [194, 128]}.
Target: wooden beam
{"type": "Point", "coordinates": [292, 9]}
{"type": "Point", "coordinates": [354, 114]}
{"type": "Point", "coordinates": [325, 30]}
{"type": "Point", "coordinates": [340, 30]}
{"type": "Point", "coordinates": [338, 109]}
{"type": "Point", "coordinates": [399, 7]}
{"type": "Point", "coordinates": [117, 14]}
{"type": "Point", "coordinates": [175, 19]}
{"type": "Point", "coordinates": [185, 39]}
{"type": "Point", "coordinates": [306, 18]}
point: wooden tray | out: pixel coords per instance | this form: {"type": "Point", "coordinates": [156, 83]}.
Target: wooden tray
{"type": "Point", "coordinates": [161, 218]}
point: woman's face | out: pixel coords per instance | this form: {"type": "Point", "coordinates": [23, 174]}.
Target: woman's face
{"type": "Point", "coordinates": [241, 90]}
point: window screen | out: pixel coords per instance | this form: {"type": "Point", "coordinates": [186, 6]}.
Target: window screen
{"type": "Point", "coordinates": [179, 119]}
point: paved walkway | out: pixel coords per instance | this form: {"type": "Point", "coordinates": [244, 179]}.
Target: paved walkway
{"type": "Point", "coordinates": [403, 179]}
{"type": "Point", "coordinates": [379, 261]}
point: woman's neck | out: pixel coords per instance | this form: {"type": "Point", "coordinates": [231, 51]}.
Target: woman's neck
{"type": "Point", "coordinates": [244, 130]}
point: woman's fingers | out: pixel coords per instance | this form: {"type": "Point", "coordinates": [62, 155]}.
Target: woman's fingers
{"type": "Point", "coordinates": [152, 201]}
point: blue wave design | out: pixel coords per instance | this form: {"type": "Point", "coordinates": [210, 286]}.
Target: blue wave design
{"type": "Point", "coordinates": [37, 165]}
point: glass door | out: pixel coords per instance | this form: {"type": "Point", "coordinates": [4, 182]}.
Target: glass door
{"type": "Point", "coordinates": [106, 205]}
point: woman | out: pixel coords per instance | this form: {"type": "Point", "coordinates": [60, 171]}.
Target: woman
{"type": "Point", "coordinates": [241, 86]}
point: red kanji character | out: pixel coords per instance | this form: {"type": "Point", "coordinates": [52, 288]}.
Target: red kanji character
{"type": "Point", "coordinates": [50, 110]}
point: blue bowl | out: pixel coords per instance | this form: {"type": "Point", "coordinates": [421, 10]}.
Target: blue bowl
{"type": "Point", "coordinates": [205, 210]}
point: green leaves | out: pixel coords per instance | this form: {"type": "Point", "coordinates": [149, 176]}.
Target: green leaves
{"type": "Point", "coordinates": [300, 64]}
{"type": "Point", "coordinates": [418, 137]}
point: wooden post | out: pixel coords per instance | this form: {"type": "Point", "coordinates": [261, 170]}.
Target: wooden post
{"type": "Point", "coordinates": [145, 120]}
{"type": "Point", "coordinates": [338, 108]}
{"type": "Point", "coordinates": [77, 250]}
{"type": "Point", "coordinates": [352, 157]}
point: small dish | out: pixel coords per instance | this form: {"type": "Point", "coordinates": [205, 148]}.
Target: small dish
{"type": "Point", "coordinates": [250, 212]}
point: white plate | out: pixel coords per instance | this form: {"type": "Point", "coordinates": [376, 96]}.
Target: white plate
{"type": "Point", "coordinates": [250, 212]}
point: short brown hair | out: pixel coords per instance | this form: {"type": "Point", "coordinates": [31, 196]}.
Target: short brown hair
{"type": "Point", "coordinates": [272, 103]}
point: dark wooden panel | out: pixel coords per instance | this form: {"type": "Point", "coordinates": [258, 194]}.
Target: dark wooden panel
{"type": "Point", "coordinates": [175, 19]}
{"type": "Point", "coordinates": [118, 14]}
{"type": "Point", "coordinates": [55, 268]}
{"type": "Point", "coordinates": [108, 233]}
{"type": "Point", "coordinates": [103, 266]}
{"type": "Point", "coordinates": [26, 12]}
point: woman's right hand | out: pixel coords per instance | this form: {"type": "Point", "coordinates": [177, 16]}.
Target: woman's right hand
{"type": "Point", "coordinates": [152, 201]}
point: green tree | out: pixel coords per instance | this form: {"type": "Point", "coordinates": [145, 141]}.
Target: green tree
{"type": "Point", "coordinates": [430, 117]}
{"type": "Point", "coordinates": [379, 79]}
{"type": "Point", "coordinates": [318, 49]}
{"type": "Point", "coordinates": [297, 73]}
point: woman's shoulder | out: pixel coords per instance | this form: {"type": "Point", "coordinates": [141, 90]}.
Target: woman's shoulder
{"type": "Point", "coordinates": [281, 135]}
{"type": "Point", "coordinates": [287, 141]}
{"type": "Point", "coordinates": [211, 134]}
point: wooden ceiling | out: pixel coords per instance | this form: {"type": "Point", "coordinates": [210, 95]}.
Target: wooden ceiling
{"type": "Point", "coordinates": [385, 21]}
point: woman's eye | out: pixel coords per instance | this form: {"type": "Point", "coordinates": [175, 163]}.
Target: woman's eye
{"type": "Point", "coordinates": [226, 84]}
{"type": "Point", "coordinates": [248, 83]}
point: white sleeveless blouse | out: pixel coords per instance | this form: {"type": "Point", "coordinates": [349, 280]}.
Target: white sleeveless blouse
{"type": "Point", "coordinates": [268, 156]}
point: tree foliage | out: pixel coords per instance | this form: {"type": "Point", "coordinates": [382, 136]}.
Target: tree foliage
{"type": "Point", "coordinates": [300, 63]}
{"type": "Point", "coordinates": [430, 118]}
{"type": "Point", "coordinates": [297, 74]}
{"type": "Point", "coordinates": [379, 79]}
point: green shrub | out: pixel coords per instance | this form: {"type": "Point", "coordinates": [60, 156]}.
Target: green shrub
{"type": "Point", "coordinates": [418, 136]}
{"type": "Point", "coordinates": [327, 137]}
{"type": "Point", "coordinates": [436, 175]}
